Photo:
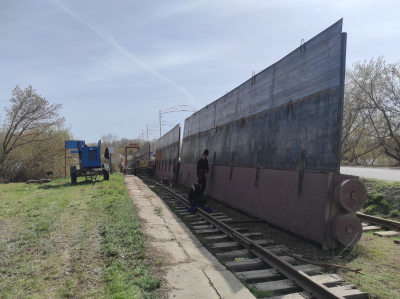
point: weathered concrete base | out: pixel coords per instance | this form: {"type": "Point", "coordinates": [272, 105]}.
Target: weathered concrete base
{"type": "Point", "coordinates": [387, 234]}
{"type": "Point", "coordinates": [371, 227]}
{"type": "Point", "coordinates": [346, 291]}
{"type": "Point", "coordinates": [191, 270]}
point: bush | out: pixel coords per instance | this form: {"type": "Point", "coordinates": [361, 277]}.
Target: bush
{"type": "Point", "coordinates": [394, 213]}
{"type": "Point", "coordinates": [377, 197]}
{"type": "Point", "coordinates": [371, 210]}
{"type": "Point", "coordinates": [383, 198]}
{"type": "Point", "coordinates": [384, 207]}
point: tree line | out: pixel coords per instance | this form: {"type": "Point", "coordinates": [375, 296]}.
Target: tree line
{"type": "Point", "coordinates": [112, 140]}
{"type": "Point", "coordinates": [33, 132]}
{"type": "Point", "coordinates": [33, 135]}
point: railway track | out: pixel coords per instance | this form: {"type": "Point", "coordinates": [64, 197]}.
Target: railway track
{"type": "Point", "coordinates": [259, 263]}
{"type": "Point", "coordinates": [381, 227]}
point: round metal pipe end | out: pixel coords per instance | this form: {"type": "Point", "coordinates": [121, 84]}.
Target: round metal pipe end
{"type": "Point", "coordinates": [350, 195]}
{"type": "Point", "coordinates": [347, 229]}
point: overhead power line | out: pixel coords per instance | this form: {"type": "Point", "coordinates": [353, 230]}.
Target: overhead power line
{"type": "Point", "coordinates": [177, 108]}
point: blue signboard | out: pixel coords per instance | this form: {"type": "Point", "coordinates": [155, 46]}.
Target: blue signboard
{"type": "Point", "coordinates": [73, 144]}
{"type": "Point", "coordinates": [75, 152]}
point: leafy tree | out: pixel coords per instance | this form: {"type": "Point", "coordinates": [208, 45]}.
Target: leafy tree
{"type": "Point", "coordinates": [371, 120]}
{"type": "Point", "coordinates": [29, 121]}
{"type": "Point", "coordinates": [378, 86]}
{"type": "Point", "coordinates": [34, 160]}
{"type": "Point", "coordinates": [356, 141]}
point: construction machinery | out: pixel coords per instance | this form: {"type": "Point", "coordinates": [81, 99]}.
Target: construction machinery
{"type": "Point", "coordinates": [90, 165]}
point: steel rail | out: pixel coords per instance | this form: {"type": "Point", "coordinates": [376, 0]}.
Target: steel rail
{"type": "Point", "coordinates": [300, 278]}
{"type": "Point", "coordinates": [377, 220]}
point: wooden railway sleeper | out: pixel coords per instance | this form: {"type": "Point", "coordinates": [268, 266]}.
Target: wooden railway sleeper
{"type": "Point", "coordinates": [246, 244]}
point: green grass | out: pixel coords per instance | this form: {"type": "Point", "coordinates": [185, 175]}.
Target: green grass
{"type": "Point", "coordinates": [379, 260]}
{"type": "Point", "coordinates": [383, 198]}
{"type": "Point", "coordinates": [378, 257]}
{"type": "Point", "coordinates": [72, 241]}
{"type": "Point", "coordinates": [158, 211]}
{"type": "Point", "coordinates": [258, 293]}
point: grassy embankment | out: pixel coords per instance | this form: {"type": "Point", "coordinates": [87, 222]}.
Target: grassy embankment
{"type": "Point", "coordinates": [378, 257]}
{"type": "Point", "coordinates": [383, 199]}
{"type": "Point", "coordinates": [72, 241]}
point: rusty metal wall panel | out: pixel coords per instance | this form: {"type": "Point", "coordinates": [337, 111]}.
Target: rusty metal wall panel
{"type": "Point", "coordinates": [227, 107]}
{"type": "Point", "coordinates": [167, 154]}
{"type": "Point", "coordinates": [194, 123]}
{"type": "Point", "coordinates": [144, 152]}
{"type": "Point", "coordinates": [276, 137]}
{"type": "Point", "coordinates": [186, 127]}
{"type": "Point", "coordinates": [275, 199]}
{"type": "Point", "coordinates": [207, 117]}
{"type": "Point", "coordinates": [169, 138]}
{"type": "Point", "coordinates": [313, 67]}
{"type": "Point", "coordinates": [136, 156]}
{"type": "Point", "coordinates": [294, 105]}
{"type": "Point", "coordinates": [200, 121]}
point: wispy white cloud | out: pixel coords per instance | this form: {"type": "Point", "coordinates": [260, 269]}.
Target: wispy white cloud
{"type": "Point", "coordinates": [147, 68]}
{"type": "Point", "coordinates": [118, 70]}
{"type": "Point", "coordinates": [111, 41]}
{"type": "Point", "coordinates": [167, 56]}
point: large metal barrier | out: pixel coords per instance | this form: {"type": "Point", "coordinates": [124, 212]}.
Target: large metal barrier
{"type": "Point", "coordinates": [275, 140]}
{"type": "Point", "coordinates": [167, 154]}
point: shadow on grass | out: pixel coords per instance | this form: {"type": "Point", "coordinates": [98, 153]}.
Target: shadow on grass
{"type": "Point", "coordinates": [69, 184]}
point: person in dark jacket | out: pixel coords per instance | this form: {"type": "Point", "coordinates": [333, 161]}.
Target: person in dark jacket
{"type": "Point", "coordinates": [202, 170]}
{"type": "Point", "coordinates": [196, 197]}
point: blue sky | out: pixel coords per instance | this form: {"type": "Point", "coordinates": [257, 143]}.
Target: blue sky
{"type": "Point", "coordinates": [114, 64]}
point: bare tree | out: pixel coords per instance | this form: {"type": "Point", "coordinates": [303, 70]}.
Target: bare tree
{"type": "Point", "coordinates": [356, 137]}
{"type": "Point", "coordinates": [125, 141]}
{"type": "Point", "coordinates": [30, 119]}
{"type": "Point", "coordinates": [110, 140]}
{"type": "Point", "coordinates": [376, 87]}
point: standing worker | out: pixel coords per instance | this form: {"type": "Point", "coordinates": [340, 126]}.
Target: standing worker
{"type": "Point", "coordinates": [202, 170]}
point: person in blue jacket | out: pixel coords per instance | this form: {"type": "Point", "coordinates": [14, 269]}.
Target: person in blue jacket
{"type": "Point", "coordinates": [196, 197]}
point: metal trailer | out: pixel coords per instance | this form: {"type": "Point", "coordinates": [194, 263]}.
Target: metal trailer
{"type": "Point", "coordinates": [90, 165]}
{"type": "Point", "coordinates": [275, 142]}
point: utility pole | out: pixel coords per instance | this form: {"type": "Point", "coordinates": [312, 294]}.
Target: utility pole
{"type": "Point", "coordinates": [160, 121]}
{"type": "Point", "coordinates": [65, 158]}
{"type": "Point", "coordinates": [147, 132]}
{"type": "Point", "coordinates": [110, 164]}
